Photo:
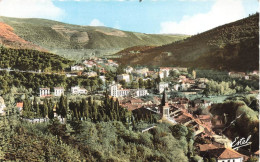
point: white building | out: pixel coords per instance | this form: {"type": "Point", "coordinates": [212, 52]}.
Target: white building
{"type": "Point", "coordinates": [2, 106]}
{"type": "Point", "coordinates": [166, 72]}
{"type": "Point", "coordinates": [76, 68]}
{"type": "Point", "coordinates": [78, 90]}
{"type": "Point", "coordinates": [129, 69]}
{"type": "Point", "coordinates": [58, 91]}
{"type": "Point", "coordinates": [125, 77]}
{"type": "Point", "coordinates": [162, 86]}
{"type": "Point", "coordinates": [103, 78]}
{"type": "Point", "coordinates": [44, 92]}
{"type": "Point", "coordinates": [115, 91]}
{"type": "Point", "coordinates": [141, 92]}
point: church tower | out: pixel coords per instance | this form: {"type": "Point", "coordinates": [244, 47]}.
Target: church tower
{"type": "Point", "coordinates": [164, 108]}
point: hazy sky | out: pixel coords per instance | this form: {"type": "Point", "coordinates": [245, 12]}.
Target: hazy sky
{"type": "Point", "coordinates": [149, 16]}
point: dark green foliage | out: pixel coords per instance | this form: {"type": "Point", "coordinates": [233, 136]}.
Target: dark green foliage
{"type": "Point", "coordinates": [25, 59]}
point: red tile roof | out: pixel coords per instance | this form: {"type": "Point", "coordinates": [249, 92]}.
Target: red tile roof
{"type": "Point", "coordinates": [225, 153]}
{"type": "Point", "coordinates": [19, 104]}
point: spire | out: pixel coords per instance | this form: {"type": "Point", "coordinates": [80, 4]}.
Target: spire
{"type": "Point", "coordinates": [164, 98]}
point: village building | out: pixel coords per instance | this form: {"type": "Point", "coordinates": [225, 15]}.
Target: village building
{"type": "Point", "coordinates": [76, 68]}
{"type": "Point", "coordinates": [237, 74]}
{"type": "Point", "coordinates": [19, 105]}
{"type": "Point", "coordinates": [129, 69]}
{"type": "Point", "coordinates": [90, 74]}
{"type": "Point", "coordinates": [44, 92]}
{"type": "Point", "coordinates": [58, 91]}
{"type": "Point", "coordinates": [141, 71]}
{"type": "Point", "coordinates": [125, 77]}
{"type": "Point", "coordinates": [224, 155]}
{"type": "Point", "coordinates": [89, 63]}
{"type": "Point", "coordinates": [117, 91]}
{"type": "Point", "coordinates": [162, 86]}
{"type": "Point", "coordinates": [2, 106]}
{"type": "Point", "coordinates": [165, 71]}
{"type": "Point", "coordinates": [78, 90]}
{"type": "Point", "coordinates": [161, 74]}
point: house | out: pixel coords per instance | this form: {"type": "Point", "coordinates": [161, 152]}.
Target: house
{"type": "Point", "coordinates": [247, 77]}
{"type": "Point", "coordinates": [225, 155]}
{"type": "Point", "coordinates": [2, 106]}
{"type": "Point", "coordinates": [19, 105]}
{"type": "Point", "coordinates": [129, 69]}
{"type": "Point", "coordinates": [90, 74]}
{"type": "Point", "coordinates": [237, 74]}
{"type": "Point", "coordinates": [125, 77]}
{"type": "Point", "coordinates": [44, 92]}
{"type": "Point", "coordinates": [165, 71]}
{"type": "Point", "coordinates": [162, 86]}
{"type": "Point", "coordinates": [78, 90]}
{"type": "Point", "coordinates": [161, 74]}
{"type": "Point", "coordinates": [58, 91]}
{"type": "Point", "coordinates": [76, 68]}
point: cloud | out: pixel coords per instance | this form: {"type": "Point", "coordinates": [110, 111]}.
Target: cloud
{"type": "Point", "coordinates": [222, 12]}
{"type": "Point", "coordinates": [96, 22]}
{"type": "Point", "coordinates": [30, 9]}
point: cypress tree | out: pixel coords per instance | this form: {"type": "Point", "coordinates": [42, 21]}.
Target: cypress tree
{"type": "Point", "coordinates": [45, 108]}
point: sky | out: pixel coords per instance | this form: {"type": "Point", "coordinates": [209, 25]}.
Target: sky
{"type": "Point", "coordinates": [149, 16]}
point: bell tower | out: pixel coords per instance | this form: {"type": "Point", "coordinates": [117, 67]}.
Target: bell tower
{"type": "Point", "coordinates": [165, 109]}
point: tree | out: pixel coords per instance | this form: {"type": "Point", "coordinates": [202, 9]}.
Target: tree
{"type": "Point", "coordinates": [63, 107]}
{"type": "Point", "coordinates": [141, 83]}
{"type": "Point", "coordinates": [84, 108]}
{"type": "Point", "coordinates": [45, 108]}
{"type": "Point", "coordinates": [123, 83]}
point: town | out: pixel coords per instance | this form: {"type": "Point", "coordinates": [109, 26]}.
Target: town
{"type": "Point", "coordinates": [174, 95]}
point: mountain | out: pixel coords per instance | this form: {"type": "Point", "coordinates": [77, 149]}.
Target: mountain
{"type": "Point", "coordinates": [232, 46]}
{"type": "Point", "coordinates": [64, 38]}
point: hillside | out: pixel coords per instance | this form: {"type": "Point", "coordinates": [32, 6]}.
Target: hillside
{"type": "Point", "coordinates": [233, 46]}
{"type": "Point", "coordinates": [32, 60]}
{"type": "Point", "coordinates": [10, 39]}
{"type": "Point", "coordinates": [57, 37]}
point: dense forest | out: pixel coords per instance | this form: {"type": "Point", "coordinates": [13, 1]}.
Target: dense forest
{"type": "Point", "coordinates": [25, 59]}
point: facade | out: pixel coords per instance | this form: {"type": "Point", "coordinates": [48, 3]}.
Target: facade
{"type": "Point", "coordinates": [76, 68]}
{"type": "Point", "coordinates": [44, 92]}
{"type": "Point", "coordinates": [78, 90]}
{"type": "Point", "coordinates": [115, 91]}
{"type": "Point", "coordinates": [141, 92]}
{"type": "Point", "coordinates": [125, 77]}
{"type": "Point", "coordinates": [162, 86]}
{"type": "Point", "coordinates": [58, 91]}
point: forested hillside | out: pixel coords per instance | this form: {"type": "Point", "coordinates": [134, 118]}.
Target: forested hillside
{"type": "Point", "coordinates": [233, 46]}
{"type": "Point", "coordinates": [26, 59]}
